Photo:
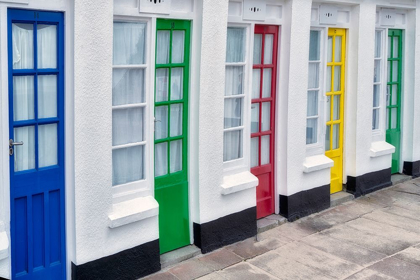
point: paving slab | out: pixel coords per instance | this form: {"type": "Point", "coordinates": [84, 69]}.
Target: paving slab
{"type": "Point", "coordinates": [190, 269]}
{"type": "Point", "coordinates": [219, 259]}
{"type": "Point", "coordinates": [245, 271]}
{"type": "Point", "coordinates": [409, 187]}
{"type": "Point", "coordinates": [273, 233]}
{"type": "Point", "coordinates": [379, 198]}
{"type": "Point", "coordinates": [394, 220]}
{"type": "Point", "coordinates": [408, 213]}
{"type": "Point", "coordinates": [212, 276]}
{"type": "Point", "coordinates": [368, 274]}
{"type": "Point", "coordinates": [401, 195]}
{"type": "Point", "coordinates": [397, 268]}
{"type": "Point", "coordinates": [161, 276]}
{"type": "Point", "coordinates": [345, 250]}
{"type": "Point", "coordinates": [411, 255]}
{"type": "Point", "coordinates": [250, 248]}
{"type": "Point", "coordinates": [412, 206]}
{"type": "Point", "coordinates": [294, 231]}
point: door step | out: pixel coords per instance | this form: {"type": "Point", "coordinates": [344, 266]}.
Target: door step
{"type": "Point", "coordinates": [179, 255]}
{"type": "Point", "coordinates": [400, 178]}
{"type": "Point", "coordinates": [270, 222]}
{"type": "Point", "coordinates": [340, 198]}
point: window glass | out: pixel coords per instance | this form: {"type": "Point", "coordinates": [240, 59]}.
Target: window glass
{"type": "Point", "coordinates": [235, 48]}
{"type": "Point", "coordinates": [129, 45]}
{"type": "Point", "coordinates": [377, 80]}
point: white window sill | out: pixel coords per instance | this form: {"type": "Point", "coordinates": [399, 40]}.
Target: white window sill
{"type": "Point", "coordinates": [238, 182]}
{"type": "Point", "coordinates": [4, 245]}
{"type": "Point", "coordinates": [132, 211]}
{"type": "Point", "coordinates": [381, 148]}
{"type": "Point", "coordinates": [316, 163]}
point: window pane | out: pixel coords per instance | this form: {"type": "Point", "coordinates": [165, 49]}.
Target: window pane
{"type": "Point", "coordinates": [127, 165]}
{"type": "Point", "coordinates": [388, 95]}
{"type": "Point", "coordinates": [47, 145]}
{"type": "Point", "coordinates": [378, 44]}
{"type": "Point", "coordinates": [396, 47]}
{"type": "Point", "coordinates": [47, 46]}
{"type": "Point", "coordinates": [376, 95]}
{"type": "Point", "coordinates": [23, 98]}
{"type": "Point", "coordinates": [327, 138]}
{"type": "Point", "coordinates": [235, 48]}
{"type": "Point", "coordinates": [257, 48]}
{"type": "Point", "coordinates": [233, 112]}
{"type": "Point", "coordinates": [23, 45]}
{"type": "Point", "coordinates": [47, 96]}
{"type": "Point", "coordinates": [312, 104]}
{"type": "Point", "coordinates": [24, 155]}
{"type": "Point", "coordinates": [256, 83]}
{"type": "Point", "coordinates": [337, 49]}
{"type": "Point", "coordinates": [336, 106]}
{"type": "Point", "coordinates": [394, 117]}
{"type": "Point", "coordinates": [265, 116]}
{"type": "Point", "coordinates": [394, 96]}
{"type": "Point", "coordinates": [266, 90]}
{"type": "Point", "coordinates": [178, 39]}
{"type": "Point", "coordinates": [232, 145]}
{"type": "Point", "coordinates": [389, 46]}
{"type": "Point", "coordinates": [254, 151]}
{"type": "Point", "coordinates": [377, 72]}
{"type": "Point", "coordinates": [265, 149]}
{"type": "Point", "coordinates": [375, 119]}
{"type": "Point", "coordinates": [329, 77]}
{"type": "Point", "coordinates": [161, 159]}
{"type": "Point", "coordinates": [234, 80]}
{"type": "Point", "coordinates": [268, 49]}
{"type": "Point", "coordinates": [311, 131]}
{"type": "Point", "coordinates": [176, 156]}
{"type": "Point", "coordinates": [314, 45]}
{"type": "Point", "coordinates": [162, 47]}
{"type": "Point", "coordinates": [255, 117]}
{"type": "Point", "coordinates": [336, 136]}
{"type": "Point", "coordinates": [329, 51]}
{"type": "Point", "coordinates": [395, 71]}
{"type": "Point", "coordinates": [127, 86]}
{"type": "Point", "coordinates": [328, 107]}
{"type": "Point", "coordinates": [129, 43]}
{"type": "Point", "coordinates": [177, 83]}
{"type": "Point", "coordinates": [161, 122]}
{"type": "Point", "coordinates": [127, 126]}
{"type": "Point", "coordinates": [162, 81]}
{"type": "Point", "coordinates": [337, 78]}
{"type": "Point", "coordinates": [176, 120]}
{"type": "Point", "coordinates": [313, 77]}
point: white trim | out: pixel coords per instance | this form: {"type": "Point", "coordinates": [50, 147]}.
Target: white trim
{"type": "Point", "coordinates": [238, 182]}
{"type": "Point", "coordinates": [381, 148]}
{"type": "Point", "coordinates": [316, 163]}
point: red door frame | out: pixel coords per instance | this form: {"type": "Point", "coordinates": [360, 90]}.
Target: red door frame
{"type": "Point", "coordinates": [265, 190]}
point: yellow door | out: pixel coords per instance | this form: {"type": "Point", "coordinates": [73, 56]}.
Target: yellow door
{"type": "Point", "coordinates": [335, 104]}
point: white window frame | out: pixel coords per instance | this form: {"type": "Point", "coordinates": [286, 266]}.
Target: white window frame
{"type": "Point", "coordinates": [141, 187]}
{"type": "Point", "coordinates": [319, 147]}
{"type": "Point", "coordinates": [243, 162]}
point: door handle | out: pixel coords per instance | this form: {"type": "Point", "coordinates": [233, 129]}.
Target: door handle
{"type": "Point", "coordinates": [12, 143]}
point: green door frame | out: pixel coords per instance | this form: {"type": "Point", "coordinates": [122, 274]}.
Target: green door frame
{"type": "Point", "coordinates": [171, 190]}
{"type": "Point", "coordinates": [393, 131]}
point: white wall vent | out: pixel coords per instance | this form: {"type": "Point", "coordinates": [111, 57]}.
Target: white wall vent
{"type": "Point", "coordinates": [328, 14]}
{"type": "Point", "coordinates": [387, 17]}
{"type": "Point", "coordinates": [254, 10]}
{"type": "Point", "coordinates": [155, 6]}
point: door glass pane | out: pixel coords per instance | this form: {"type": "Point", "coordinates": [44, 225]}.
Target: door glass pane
{"type": "Point", "coordinates": [129, 43]}
{"type": "Point", "coordinates": [257, 48]}
{"type": "Point", "coordinates": [327, 137]}
{"type": "Point", "coordinates": [24, 154]}
{"type": "Point", "coordinates": [47, 145]}
{"type": "Point", "coordinates": [161, 122]}
{"type": "Point", "coordinates": [394, 117]}
{"type": "Point", "coordinates": [376, 95]}
{"type": "Point", "coordinates": [313, 77]}
{"type": "Point", "coordinates": [23, 98]}
{"type": "Point", "coordinates": [395, 71]}
{"type": "Point", "coordinates": [328, 107]}
{"type": "Point", "coordinates": [234, 80]}
{"type": "Point", "coordinates": [314, 45]}
{"type": "Point", "coordinates": [265, 116]}
{"type": "Point", "coordinates": [162, 75]}
{"type": "Point", "coordinates": [268, 48]}
{"type": "Point", "coordinates": [265, 149]}
{"type": "Point", "coordinates": [336, 136]}
{"type": "Point", "coordinates": [127, 86]}
{"type": "Point", "coordinates": [329, 78]}
{"type": "Point", "coordinates": [162, 47]}
{"type": "Point", "coordinates": [337, 78]}
{"type": "Point", "coordinates": [377, 71]}
{"type": "Point", "coordinates": [336, 106]}
{"type": "Point", "coordinates": [232, 145]}
{"type": "Point", "coordinates": [256, 80]}
{"type": "Point", "coordinates": [394, 95]}
{"type": "Point", "coordinates": [389, 71]}
{"type": "Point", "coordinates": [127, 126]}
{"type": "Point", "coordinates": [266, 90]}
{"type": "Point", "coordinates": [47, 46]}
{"type": "Point", "coordinates": [311, 131]}
{"type": "Point", "coordinates": [312, 105]}
{"type": "Point", "coordinates": [255, 117]}
{"type": "Point", "coordinates": [233, 112]}
{"type": "Point", "coordinates": [176, 120]}
{"type": "Point", "coordinates": [387, 118]}
{"type": "Point", "coordinates": [47, 96]}
{"type": "Point", "coordinates": [235, 47]}
{"type": "Point", "coordinates": [378, 44]}
{"type": "Point", "coordinates": [176, 156]}
{"type": "Point", "coordinates": [389, 46]}
{"type": "Point", "coordinates": [127, 165]}
{"type": "Point", "coordinates": [330, 48]}
{"type": "Point", "coordinates": [178, 39]}
{"type": "Point", "coordinates": [396, 47]}
{"type": "Point", "coordinates": [161, 159]}
{"type": "Point", "coordinates": [177, 75]}
{"type": "Point", "coordinates": [254, 151]}
{"type": "Point", "coordinates": [23, 45]}
{"type": "Point", "coordinates": [388, 95]}
{"type": "Point", "coordinates": [375, 119]}
{"type": "Point", "coordinates": [337, 49]}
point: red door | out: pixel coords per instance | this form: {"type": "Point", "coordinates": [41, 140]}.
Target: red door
{"type": "Point", "coordinates": [263, 115]}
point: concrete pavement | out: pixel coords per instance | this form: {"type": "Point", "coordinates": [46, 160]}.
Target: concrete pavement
{"type": "Point", "coordinates": [373, 237]}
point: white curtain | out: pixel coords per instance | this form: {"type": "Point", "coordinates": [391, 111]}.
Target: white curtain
{"type": "Point", "coordinates": [312, 109]}
{"type": "Point", "coordinates": [178, 38]}
{"type": "Point", "coordinates": [127, 126]}
{"type": "Point", "coordinates": [47, 145]}
{"type": "Point", "coordinates": [23, 45]}
{"type": "Point", "coordinates": [25, 154]}
{"type": "Point", "coordinates": [254, 151]}
{"type": "Point", "coordinates": [47, 46]}
{"type": "Point", "coordinates": [378, 43]}
{"type": "Point", "coordinates": [266, 89]}
{"type": "Point", "coordinates": [176, 156]}
{"type": "Point", "coordinates": [256, 80]}
{"type": "Point", "coordinates": [265, 116]}
{"type": "Point", "coordinates": [235, 48]}
{"type": "Point", "coordinates": [337, 49]}
{"type": "Point", "coordinates": [23, 98]}
{"type": "Point", "coordinates": [127, 165]}
{"type": "Point", "coordinates": [47, 96]}
{"type": "Point", "coordinates": [268, 49]}
{"type": "Point", "coordinates": [176, 120]}
{"type": "Point", "coordinates": [161, 159]}
{"type": "Point", "coordinates": [314, 45]}
{"type": "Point", "coordinates": [177, 75]}
{"type": "Point", "coordinates": [233, 112]}
{"type": "Point", "coordinates": [129, 46]}
{"type": "Point", "coordinates": [161, 122]}
{"type": "Point", "coordinates": [234, 80]}
{"type": "Point", "coordinates": [265, 149]}
{"type": "Point", "coordinates": [313, 75]}
{"type": "Point", "coordinates": [162, 78]}
{"type": "Point", "coordinates": [257, 48]}
{"type": "Point", "coordinates": [232, 148]}
{"type": "Point", "coordinates": [255, 117]}
{"type": "Point", "coordinates": [127, 86]}
{"type": "Point", "coordinates": [162, 49]}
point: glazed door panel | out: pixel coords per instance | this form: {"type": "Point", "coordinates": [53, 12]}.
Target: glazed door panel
{"type": "Point", "coordinates": [171, 132]}
{"type": "Point", "coordinates": [393, 98]}
{"type": "Point", "coordinates": [36, 130]}
{"type": "Point", "coordinates": [335, 77]}
{"type": "Point", "coordinates": [263, 115]}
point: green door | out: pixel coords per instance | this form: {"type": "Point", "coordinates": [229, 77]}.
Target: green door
{"type": "Point", "coordinates": [171, 132]}
{"type": "Point", "coordinates": [393, 112]}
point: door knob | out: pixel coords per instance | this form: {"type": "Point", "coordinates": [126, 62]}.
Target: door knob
{"type": "Point", "coordinates": [12, 143]}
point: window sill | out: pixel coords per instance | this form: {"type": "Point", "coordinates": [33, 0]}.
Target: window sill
{"type": "Point", "coordinates": [316, 163]}
{"type": "Point", "coordinates": [381, 148]}
{"type": "Point", "coordinates": [133, 211]}
{"type": "Point", "coordinates": [4, 245]}
{"type": "Point", "coordinates": [238, 182]}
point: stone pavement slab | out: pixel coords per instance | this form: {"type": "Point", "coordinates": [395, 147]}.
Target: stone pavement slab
{"type": "Point", "coordinates": [190, 269]}
{"type": "Point", "coordinates": [294, 231]}
{"type": "Point", "coordinates": [161, 276]}
{"type": "Point", "coordinates": [411, 255]}
{"type": "Point", "coordinates": [397, 268]}
{"type": "Point", "coordinates": [219, 259]}
{"type": "Point", "coordinates": [398, 221]}
{"type": "Point", "coordinates": [368, 274]}
{"type": "Point", "coordinates": [380, 198]}
{"type": "Point", "coordinates": [243, 271]}
{"type": "Point", "coordinates": [250, 248]}
{"type": "Point", "coordinates": [408, 213]}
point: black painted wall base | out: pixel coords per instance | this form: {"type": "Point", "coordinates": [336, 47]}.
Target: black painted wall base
{"type": "Point", "coordinates": [133, 264]}
{"type": "Point", "coordinates": [1, 278]}
{"type": "Point", "coordinates": [305, 203]}
{"type": "Point", "coordinates": [226, 230]}
{"type": "Point", "coordinates": [412, 168]}
{"type": "Point", "coordinates": [369, 182]}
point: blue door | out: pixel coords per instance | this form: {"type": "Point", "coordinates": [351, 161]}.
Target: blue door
{"type": "Point", "coordinates": [36, 145]}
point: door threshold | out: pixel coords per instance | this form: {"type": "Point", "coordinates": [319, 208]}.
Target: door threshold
{"type": "Point", "coordinates": [340, 198]}
{"type": "Point", "coordinates": [400, 178]}
{"type": "Point", "coordinates": [270, 222]}
{"type": "Point", "coordinates": [179, 255]}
